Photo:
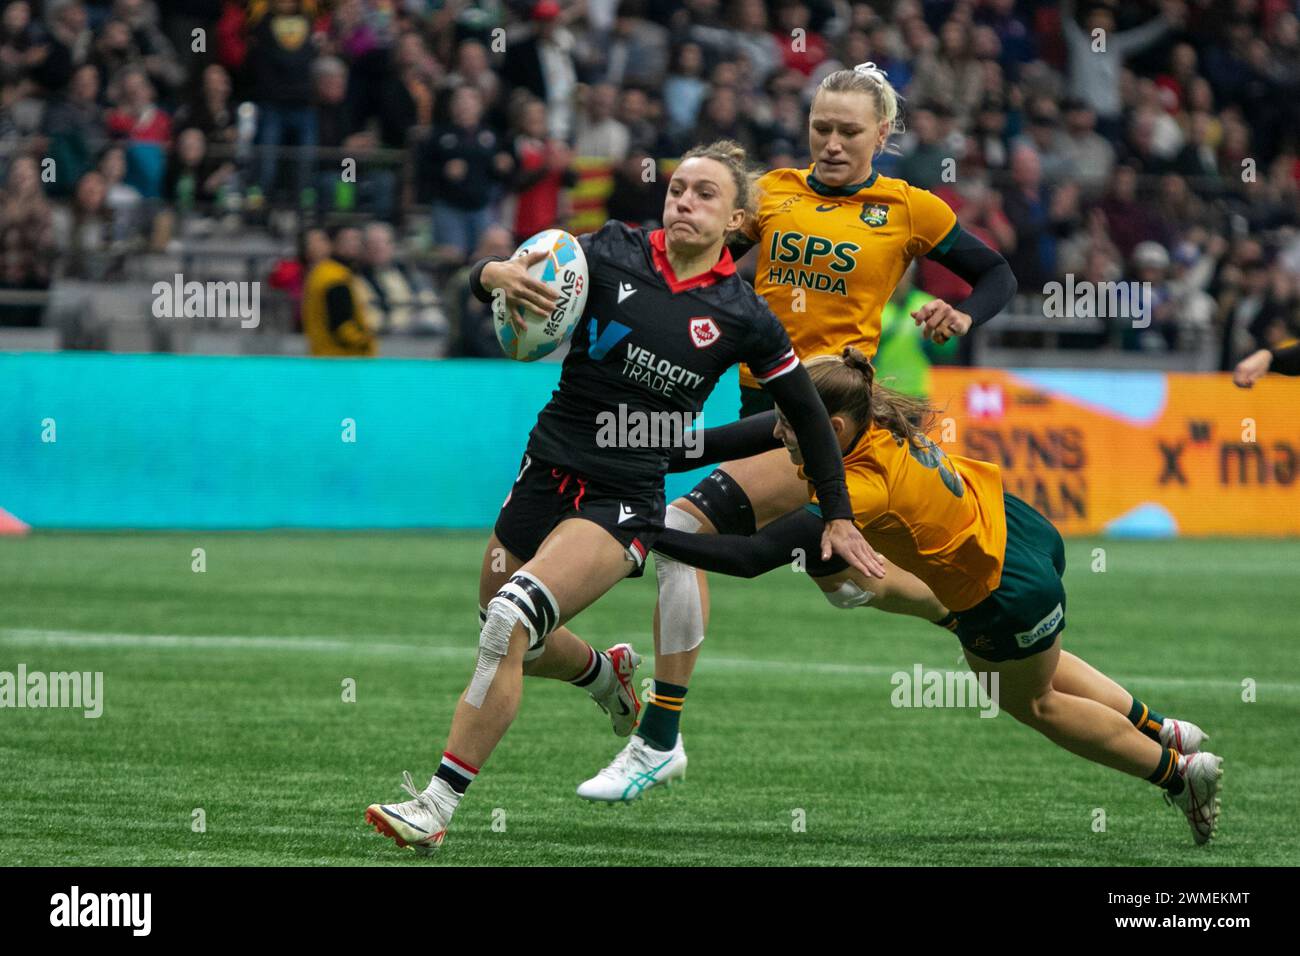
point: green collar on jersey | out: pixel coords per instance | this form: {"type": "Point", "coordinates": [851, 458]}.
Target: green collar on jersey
{"type": "Point", "coordinates": [820, 187]}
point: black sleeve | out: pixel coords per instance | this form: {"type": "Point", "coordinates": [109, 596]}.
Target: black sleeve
{"type": "Point", "coordinates": [823, 461]}
{"type": "Point", "coordinates": [476, 279]}
{"type": "Point", "coordinates": [747, 556]}
{"type": "Point", "coordinates": [1286, 359]}
{"type": "Point", "coordinates": [742, 439]}
{"type": "Point", "coordinates": [989, 275]}
{"type": "Point", "coordinates": [338, 305]}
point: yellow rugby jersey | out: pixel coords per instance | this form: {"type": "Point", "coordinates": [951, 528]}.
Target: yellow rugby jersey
{"type": "Point", "coordinates": [938, 516]}
{"type": "Point", "coordinates": [829, 257]}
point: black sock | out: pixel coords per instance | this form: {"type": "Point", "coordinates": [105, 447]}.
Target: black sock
{"type": "Point", "coordinates": [1166, 774]}
{"type": "Point", "coordinates": [1145, 719]}
{"type": "Point", "coordinates": [595, 663]}
{"type": "Point", "coordinates": [663, 715]}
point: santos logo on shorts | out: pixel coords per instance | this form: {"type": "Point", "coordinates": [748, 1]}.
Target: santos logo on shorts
{"type": "Point", "coordinates": [1042, 629]}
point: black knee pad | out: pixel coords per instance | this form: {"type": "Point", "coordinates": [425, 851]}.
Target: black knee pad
{"type": "Point", "coordinates": [724, 503]}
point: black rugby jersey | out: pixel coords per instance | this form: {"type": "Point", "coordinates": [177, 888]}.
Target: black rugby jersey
{"type": "Point", "coordinates": [648, 343]}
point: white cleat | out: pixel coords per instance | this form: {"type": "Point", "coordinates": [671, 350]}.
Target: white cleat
{"type": "Point", "coordinates": [419, 823]}
{"type": "Point", "coordinates": [1182, 735]}
{"type": "Point", "coordinates": [620, 701]}
{"type": "Point", "coordinates": [1202, 775]}
{"type": "Point", "coordinates": [636, 769]}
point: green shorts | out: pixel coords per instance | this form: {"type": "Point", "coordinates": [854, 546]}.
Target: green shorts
{"type": "Point", "coordinates": [754, 401]}
{"type": "Point", "coordinates": [1026, 613]}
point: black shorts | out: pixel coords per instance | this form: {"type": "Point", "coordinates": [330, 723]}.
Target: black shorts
{"type": "Point", "coordinates": [545, 494]}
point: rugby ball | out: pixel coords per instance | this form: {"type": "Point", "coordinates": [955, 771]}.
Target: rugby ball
{"type": "Point", "coordinates": [565, 271]}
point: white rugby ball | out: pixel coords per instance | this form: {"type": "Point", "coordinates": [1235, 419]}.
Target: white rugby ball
{"type": "Point", "coordinates": [565, 271]}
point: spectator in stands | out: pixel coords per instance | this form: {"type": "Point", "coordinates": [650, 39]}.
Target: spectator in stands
{"type": "Point", "coordinates": [121, 198]}
{"type": "Point", "coordinates": [637, 50]}
{"type": "Point", "coordinates": [399, 300]}
{"type": "Point", "coordinates": [1128, 220]}
{"type": "Point", "coordinates": [721, 119]}
{"type": "Point", "coordinates": [541, 174]}
{"type": "Point", "coordinates": [1092, 154]}
{"type": "Point", "coordinates": [280, 56]}
{"type": "Point", "coordinates": [473, 334]}
{"type": "Point", "coordinates": [644, 133]}
{"type": "Point", "coordinates": [289, 275]}
{"type": "Point", "coordinates": [211, 111]}
{"type": "Point", "coordinates": [146, 128]}
{"type": "Point", "coordinates": [26, 234]}
{"type": "Point", "coordinates": [152, 46]}
{"type": "Point", "coordinates": [599, 134]}
{"type": "Point", "coordinates": [406, 91]}
{"type": "Point", "coordinates": [339, 128]}
{"type": "Point", "coordinates": [464, 165]}
{"type": "Point", "coordinates": [20, 50]}
{"type": "Point", "coordinates": [542, 63]}
{"type": "Point", "coordinates": [637, 197]}
{"type": "Point", "coordinates": [1097, 58]}
{"type": "Point", "coordinates": [802, 51]}
{"type": "Point", "coordinates": [752, 37]}
{"type": "Point", "coordinates": [685, 89]}
{"type": "Point", "coordinates": [193, 177]}
{"type": "Point", "coordinates": [950, 73]}
{"type": "Point", "coordinates": [83, 232]}
{"type": "Point", "coordinates": [923, 165]}
{"type": "Point", "coordinates": [68, 45]}
{"type": "Point", "coordinates": [1045, 136]}
{"type": "Point", "coordinates": [334, 317]}
{"type": "Point", "coordinates": [1157, 328]}
{"type": "Point", "coordinates": [473, 68]}
{"type": "Point", "coordinates": [76, 128]}
{"type": "Point", "coordinates": [1040, 216]}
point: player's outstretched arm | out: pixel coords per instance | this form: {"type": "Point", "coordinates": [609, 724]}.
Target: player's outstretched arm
{"type": "Point", "coordinates": [992, 283]}
{"type": "Point", "coordinates": [742, 439]}
{"type": "Point", "coordinates": [784, 541]}
{"type": "Point", "coordinates": [1283, 359]}
{"type": "Point", "coordinates": [823, 462]}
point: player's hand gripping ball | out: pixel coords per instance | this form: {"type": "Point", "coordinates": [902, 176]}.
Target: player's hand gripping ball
{"type": "Point", "coordinates": [531, 334]}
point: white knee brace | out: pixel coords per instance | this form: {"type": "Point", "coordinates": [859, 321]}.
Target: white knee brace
{"type": "Point", "coordinates": [681, 615]}
{"type": "Point", "coordinates": [525, 600]}
{"type": "Point", "coordinates": [848, 595]}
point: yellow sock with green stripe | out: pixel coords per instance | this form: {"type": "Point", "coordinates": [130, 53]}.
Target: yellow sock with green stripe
{"type": "Point", "coordinates": [1166, 775]}
{"type": "Point", "coordinates": [1145, 719]}
{"type": "Point", "coordinates": [663, 715]}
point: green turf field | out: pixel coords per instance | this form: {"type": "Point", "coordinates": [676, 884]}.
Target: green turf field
{"type": "Point", "coordinates": [223, 691]}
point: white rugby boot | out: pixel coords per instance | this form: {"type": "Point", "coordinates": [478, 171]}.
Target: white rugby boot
{"type": "Point", "coordinates": [636, 769]}
{"type": "Point", "coordinates": [619, 698]}
{"type": "Point", "coordinates": [420, 823]}
{"type": "Point", "coordinates": [1183, 735]}
{"type": "Point", "coordinates": [1202, 775]}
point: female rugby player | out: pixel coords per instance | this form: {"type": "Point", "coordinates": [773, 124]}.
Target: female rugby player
{"type": "Point", "coordinates": [833, 241]}
{"type": "Point", "coordinates": [991, 558]}
{"type": "Point", "coordinates": [666, 315]}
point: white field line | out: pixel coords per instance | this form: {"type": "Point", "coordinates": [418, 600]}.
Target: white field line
{"type": "Point", "coordinates": [35, 637]}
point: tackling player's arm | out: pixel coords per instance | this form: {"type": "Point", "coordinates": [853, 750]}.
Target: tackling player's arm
{"type": "Point", "coordinates": [1283, 358]}
{"type": "Point", "coordinates": [740, 555]}
{"type": "Point", "coordinates": [779, 371]}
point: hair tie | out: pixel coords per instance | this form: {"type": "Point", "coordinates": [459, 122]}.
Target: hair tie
{"type": "Point", "coordinates": [871, 71]}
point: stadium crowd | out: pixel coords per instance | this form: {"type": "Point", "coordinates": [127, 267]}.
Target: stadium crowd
{"type": "Point", "coordinates": [1106, 141]}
